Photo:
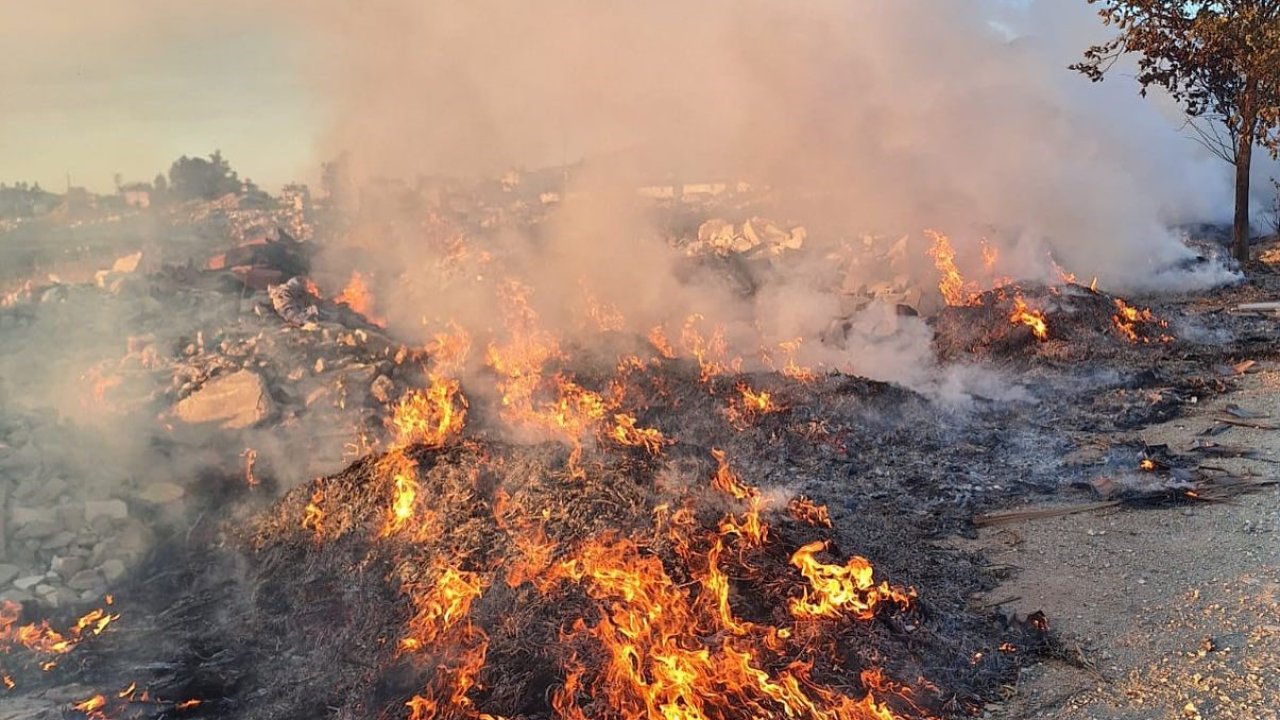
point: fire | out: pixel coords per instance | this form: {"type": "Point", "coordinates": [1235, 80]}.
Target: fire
{"type": "Point", "coordinates": [446, 604]}
{"type": "Point", "coordinates": [806, 511]}
{"type": "Point", "coordinates": [432, 416]}
{"type": "Point", "coordinates": [402, 505]}
{"type": "Point", "coordinates": [658, 339]}
{"type": "Point", "coordinates": [955, 290]}
{"type": "Point", "coordinates": [758, 401]}
{"type": "Point", "coordinates": [187, 704]}
{"type": "Point", "coordinates": [43, 639]}
{"type": "Point", "coordinates": [1128, 319]}
{"type": "Point", "coordinates": [91, 706]}
{"type": "Point", "coordinates": [357, 296]}
{"type": "Point", "coordinates": [313, 516]}
{"type": "Point", "coordinates": [8, 682]}
{"type": "Point", "coordinates": [1147, 464]}
{"type": "Point", "coordinates": [790, 368]}
{"type": "Point", "coordinates": [1034, 319]}
{"type": "Point", "coordinates": [625, 432]}
{"type": "Point", "coordinates": [841, 589]}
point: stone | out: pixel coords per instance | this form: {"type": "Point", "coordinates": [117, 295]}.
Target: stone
{"type": "Point", "coordinates": [67, 566]}
{"type": "Point", "coordinates": [110, 509]}
{"type": "Point", "coordinates": [58, 541]}
{"type": "Point", "coordinates": [15, 595]}
{"type": "Point", "coordinates": [8, 573]}
{"type": "Point", "coordinates": [28, 582]}
{"type": "Point", "coordinates": [236, 401]}
{"type": "Point", "coordinates": [37, 530]}
{"type": "Point", "coordinates": [113, 570]}
{"type": "Point", "coordinates": [25, 516]}
{"type": "Point", "coordinates": [160, 493]}
{"type": "Point", "coordinates": [85, 580]}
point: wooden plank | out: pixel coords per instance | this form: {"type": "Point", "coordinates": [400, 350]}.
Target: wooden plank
{"type": "Point", "coordinates": [1002, 518]}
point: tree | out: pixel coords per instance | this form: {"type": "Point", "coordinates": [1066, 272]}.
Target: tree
{"type": "Point", "coordinates": [161, 186]}
{"type": "Point", "coordinates": [1219, 60]}
{"type": "Point", "coordinates": [197, 178]}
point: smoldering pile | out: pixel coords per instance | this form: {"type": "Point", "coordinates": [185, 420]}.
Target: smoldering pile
{"type": "Point", "coordinates": [1066, 322]}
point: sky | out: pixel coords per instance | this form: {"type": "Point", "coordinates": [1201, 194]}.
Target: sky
{"type": "Point", "coordinates": [95, 89]}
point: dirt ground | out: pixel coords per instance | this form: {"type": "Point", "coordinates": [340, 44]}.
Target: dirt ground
{"type": "Point", "coordinates": [1174, 612]}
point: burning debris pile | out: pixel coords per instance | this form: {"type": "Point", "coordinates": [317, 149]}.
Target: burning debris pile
{"type": "Point", "coordinates": [1062, 322]}
{"type": "Point", "coordinates": [626, 574]}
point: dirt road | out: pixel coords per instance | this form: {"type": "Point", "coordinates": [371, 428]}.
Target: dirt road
{"type": "Point", "coordinates": [1175, 611]}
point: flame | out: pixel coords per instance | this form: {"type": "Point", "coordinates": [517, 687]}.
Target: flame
{"type": "Point", "coordinates": [442, 607]}
{"type": "Point", "coordinates": [1147, 464]}
{"type": "Point", "coordinates": [955, 290]}
{"type": "Point", "coordinates": [1127, 320]}
{"type": "Point", "coordinates": [841, 589]}
{"type": "Point", "coordinates": [806, 511]}
{"type": "Point", "coordinates": [432, 416]}
{"type": "Point", "coordinates": [625, 432]}
{"type": "Point", "coordinates": [187, 704]}
{"type": "Point", "coordinates": [357, 296]}
{"type": "Point", "coordinates": [43, 639]}
{"type": "Point", "coordinates": [313, 516]}
{"type": "Point", "coordinates": [8, 682]}
{"type": "Point", "coordinates": [1034, 319]}
{"type": "Point", "coordinates": [758, 401]}
{"type": "Point", "coordinates": [91, 706]}
{"type": "Point", "coordinates": [658, 339]}
{"type": "Point", "coordinates": [127, 693]}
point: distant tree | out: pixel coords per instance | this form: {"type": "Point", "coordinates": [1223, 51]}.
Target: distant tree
{"type": "Point", "coordinates": [1219, 60]}
{"type": "Point", "coordinates": [198, 178]}
{"type": "Point", "coordinates": [161, 188]}
{"type": "Point", "coordinates": [254, 196]}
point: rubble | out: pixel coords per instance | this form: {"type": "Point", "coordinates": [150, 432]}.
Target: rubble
{"type": "Point", "coordinates": [236, 401]}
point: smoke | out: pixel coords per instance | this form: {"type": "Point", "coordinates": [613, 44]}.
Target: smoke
{"type": "Point", "coordinates": [865, 117]}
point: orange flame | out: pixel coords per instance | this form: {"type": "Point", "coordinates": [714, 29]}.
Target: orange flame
{"type": "Point", "coordinates": [841, 589]}
{"type": "Point", "coordinates": [357, 296]}
{"type": "Point", "coordinates": [1127, 319]}
{"type": "Point", "coordinates": [313, 516]}
{"type": "Point", "coordinates": [955, 290]}
{"type": "Point", "coordinates": [430, 417]}
{"type": "Point", "coordinates": [1034, 319]}
{"type": "Point", "coordinates": [806, 511]}
{"type": "Point", "coordinates": [43, 639]}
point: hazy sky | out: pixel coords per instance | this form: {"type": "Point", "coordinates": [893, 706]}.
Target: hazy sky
{"type": "Point", "coordinates": [93, 89]}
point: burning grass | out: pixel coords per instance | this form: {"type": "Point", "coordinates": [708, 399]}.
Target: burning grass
{"type": "Point", "coordinates": [647, 589]}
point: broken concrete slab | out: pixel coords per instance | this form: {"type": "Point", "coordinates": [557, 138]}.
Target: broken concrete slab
{"type": "Point", "coordinates": [236, 401]}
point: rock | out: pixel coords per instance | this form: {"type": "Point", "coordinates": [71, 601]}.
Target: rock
{"type": "Point", "coordinates": [37, 530]}
{"type": "Point", "coordinates": [8, 573]}
{"type": "Point", "coordinates": [28, 582]}
{"type": "Point", "coordinates": [235, 401]}
{"type": "Point", "coordinates": [382, 389]}
{"type": "Point", "coordinates": [67, 566]}
{"type": "Point", "coordinates": [85, 580]}
{"type": "Point", "coordinates": [21, 516]}
{"type": "Point", "coordinates": [110, 509]}
{"type": "Point", "coordinates": [160, 493]}
{"type": "Point", "coordinates": [16, 596]}
{"type": "Point", "coordinates": [59, 540]}
{"type": "Point", "coordinates": [113, 570]}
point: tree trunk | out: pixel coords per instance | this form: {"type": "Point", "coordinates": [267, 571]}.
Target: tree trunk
{"type": "Point", "coordinates": [1240, 228]}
